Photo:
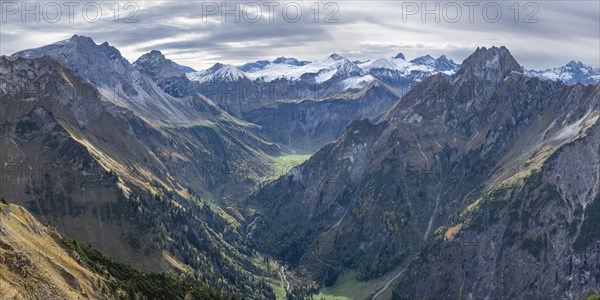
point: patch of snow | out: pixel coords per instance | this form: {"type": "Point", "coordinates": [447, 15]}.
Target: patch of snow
{"type": "Point", "coordinates": [63, 42]}
{"type": "Point", "coordinates": [357, 82]}
{"type": "Point", "coordinates": [324, 76]}
{"type": "Point", "coordinates": [387, 63]}
{"type": "Point", "coordinates": [572, 130]}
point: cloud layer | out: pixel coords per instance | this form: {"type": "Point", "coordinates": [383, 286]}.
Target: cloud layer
{"type": "Point", "coordinates": [540, 34]}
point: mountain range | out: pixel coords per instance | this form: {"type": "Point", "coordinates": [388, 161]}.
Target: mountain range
{"type": "Point", "coordinates": [308, 92]}
{"type": "Point", "coordinates": [571, 73]}
{"type": "Point", "coordinates": [463, 177]}
{"type": "Point", "coordinates": [293, 178]}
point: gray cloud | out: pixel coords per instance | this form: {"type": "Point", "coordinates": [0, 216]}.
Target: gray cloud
{"type": "Point", "coordinates": [566, 30]}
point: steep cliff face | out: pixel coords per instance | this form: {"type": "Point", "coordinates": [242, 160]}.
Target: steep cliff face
{"type": "Point", "coordinates": [166, 75]}
{"type": "Point", "coordinates": [528, 239]}
{"type": "Point", "coordinates": [369, 204]}
{"type": "Point", "coordinates": [46, 165]}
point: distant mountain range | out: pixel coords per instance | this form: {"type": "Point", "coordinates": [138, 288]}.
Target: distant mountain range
{"type": "Point", "coordinates": [393, 71]}
{"type": "Point", "coordinates": [336, 71]}
{"type": "Point", "coordinates": [305, 91]}
{"type": "Point", "coordinates": [571, 73]}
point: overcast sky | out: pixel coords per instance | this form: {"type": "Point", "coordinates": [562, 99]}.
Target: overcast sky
{"type": "Point", "coordinates": [539, 34]}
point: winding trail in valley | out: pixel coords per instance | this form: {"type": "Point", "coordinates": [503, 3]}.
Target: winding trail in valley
{"type": "Point", "coordinates": [322, 261]}
{"type": "Point", "coordinates": [284, 280]}
{"type": "Point", "coordinates": [387, 285]}
{"type": "Point", "coordinates": [437, 201]}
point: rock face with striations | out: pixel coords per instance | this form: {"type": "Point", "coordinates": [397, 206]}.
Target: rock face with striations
{"type": "Point", "coordinates": [489, 64]}
{"type": "Point", "coordinates": [166, 74]}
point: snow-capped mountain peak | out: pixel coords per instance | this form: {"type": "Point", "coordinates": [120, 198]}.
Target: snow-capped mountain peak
{"type": "Point", "coordinates": [218, 73]}
{"type": "Point", "coordinates": [348, 68]}
{"type": "Point", "coordinates": [385, 63]}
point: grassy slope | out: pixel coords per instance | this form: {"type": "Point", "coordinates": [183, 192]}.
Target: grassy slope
{"type": "Point", "coordinates": [283, 164]}
{"type": "Point", "coordinates": [38, 262]}
{"type": "Point", "coordinates": [33, 264]}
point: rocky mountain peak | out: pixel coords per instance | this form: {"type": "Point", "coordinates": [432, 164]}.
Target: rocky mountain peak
{"type": "Point", "coordinates": [443, 63]}
{"type": "Point", "coordinates": [157, 57]}
{"type": "Point", "coordinates": [81, 39]}
{"type": "Point", "coordinates": [111, 52]}
{"type": "Point", "coordinates": [85, 43]}
{"type": "Point", "coordinates": [400, 56]}
{"type": "Point", "coordinates": [152, 56]}
{"type": "Point", "coordinates": [155, 54]}
{"type": "Point", "coordinates": [215, 67]}
{"type": "Point", "coordinates": [169, 76]}
{"type": "Point", "coordinates": [289, 61]}
{"type": "Point", "coordinates": [99, 64]}
{"type": "Point", "coordinates": [575, 65]}
{"type": "Point", "coordinates": [491, 64]}
{"type": "Point", "coordinates": [154, 63]}
{"type": "Point", "coordinates": [426, 60]}
{"type": "Point", "coordinates": [335, 56]}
